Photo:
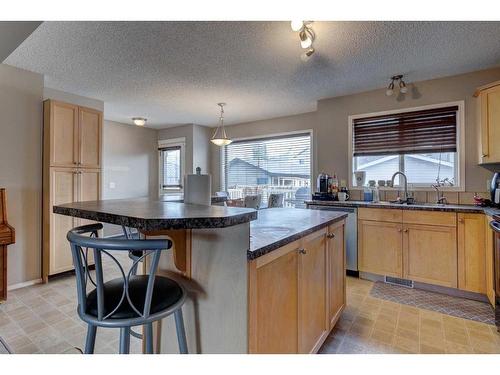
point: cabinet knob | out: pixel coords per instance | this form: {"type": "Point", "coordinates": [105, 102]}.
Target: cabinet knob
{"type": "Point", "coordinates": [406, 230]}
{"type": "Point", "coordinates": [330, 235]}
{"type": "Point", "coordinates": [302, 251]}
{"type": "Point", "coordinates": [484, 155]}
{"type": "Point", "coordinates": [461, 220]}
{"type": "Point", "coordinates": [400, 230]}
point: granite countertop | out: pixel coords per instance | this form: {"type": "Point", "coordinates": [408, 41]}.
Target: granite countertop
{"type": "Point", "coordinates": [155, 214]}
{"type": "Point", "coordinates": [276, 227]}
{"type": "Point", "coordinates": [417, 206]}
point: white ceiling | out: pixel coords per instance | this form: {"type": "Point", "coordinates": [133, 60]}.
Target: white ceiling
{"type": "Point", "coordinates": [175, 72]}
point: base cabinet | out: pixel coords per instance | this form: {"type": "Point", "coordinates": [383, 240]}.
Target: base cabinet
{"type": "Point", "coordinates": [380, 248]}
{"type": "Point", "coordinates": [430, 254]}
{"type": "Point", "coordinates": [296, 293]}
{"type": "Point", "coordinates": [471, 253]}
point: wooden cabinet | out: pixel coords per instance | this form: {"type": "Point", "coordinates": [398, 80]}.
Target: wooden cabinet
{"type": "Point", "coordinates": [336, 258]}
{"type": "Point", "coordinates": [489, 260]}
{"type": "Point", "coordinates": [421, 246]}
{"type": "Point", "coordinates": [312, 293]}
{"type": "Point", "coordinates": [71, 173]}
{"type": "Point", "coordinates": [430, 254]}
{"type": "Point", "coordinates": [380, 247]}
{"type": "Point", "coordinates": [296, 293]}
{"type": "Point", "coordinates": [489, 119]}
{"type": "Point", "coordinates": [471, 253]}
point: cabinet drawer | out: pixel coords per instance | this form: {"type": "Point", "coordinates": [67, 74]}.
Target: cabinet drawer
{"type": "Point", "coordinates": [430, 218]}
{"type": "Point", "coordinates": [380, 214]}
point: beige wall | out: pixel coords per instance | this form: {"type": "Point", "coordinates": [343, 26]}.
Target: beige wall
{"type": "Point", "coordinates": [21, 167]}
{"type": "Point", "coordinates": [330, 123]}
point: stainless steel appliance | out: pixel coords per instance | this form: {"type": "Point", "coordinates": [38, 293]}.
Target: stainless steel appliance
{"type": "Point", "coordinates": [351, 234]}
{"type": "Point", "coordinates": [322, 183]}
{"type": "Point", "coordinates": [495, 189]}
{"type": "Point", "coordinates": [495, 224]}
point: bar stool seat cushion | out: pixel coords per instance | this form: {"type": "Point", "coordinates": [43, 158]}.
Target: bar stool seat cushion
{"type": "Point", "coordinates": [166, 292]}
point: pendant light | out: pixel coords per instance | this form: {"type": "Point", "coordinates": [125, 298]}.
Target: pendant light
{"type": "Point", "coordinates": [220, 137]}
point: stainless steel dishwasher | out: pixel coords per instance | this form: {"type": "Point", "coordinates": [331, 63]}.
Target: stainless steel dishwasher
{"type": "Point", "coordinates": [351, 234]}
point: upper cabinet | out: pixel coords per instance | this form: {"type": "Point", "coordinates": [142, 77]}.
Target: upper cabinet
{"type": "Point", "coordinates": [74, 135]}
{"type": "Point", "coordinates": [489, 117]}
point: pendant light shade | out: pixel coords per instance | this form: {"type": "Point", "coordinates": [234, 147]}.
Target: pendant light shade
{"type": "Point", "coordinates": [220, 137]}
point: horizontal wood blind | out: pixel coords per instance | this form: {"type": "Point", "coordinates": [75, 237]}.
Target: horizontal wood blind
{"type": "Point", "coordinates": [428, 131]}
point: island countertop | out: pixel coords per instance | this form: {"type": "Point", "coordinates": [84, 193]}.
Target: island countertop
{"type": "Point", "coordinates": [276, 227]}
{"type": "Point", "coordinates": [147, 214]}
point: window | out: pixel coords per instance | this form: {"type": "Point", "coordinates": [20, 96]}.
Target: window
{"type": "Point", "coordinates": [424, 144]}
{"type": "Point", "coordinates": [279, 164]}
{"type": "Point", "coordinates": [171, 165]}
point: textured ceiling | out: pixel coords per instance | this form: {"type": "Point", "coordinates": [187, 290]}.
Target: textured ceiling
{"type": "Point", "coordinates": [175, 72]}
{"type": "Point", "coordinates": [12, 34]}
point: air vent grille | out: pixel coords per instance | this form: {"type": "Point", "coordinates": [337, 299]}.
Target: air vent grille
{"type": "Point", "coordinates": [397, 281]}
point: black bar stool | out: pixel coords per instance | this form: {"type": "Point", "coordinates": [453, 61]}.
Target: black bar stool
{"type": "Point", "coordinates": [130, 300]}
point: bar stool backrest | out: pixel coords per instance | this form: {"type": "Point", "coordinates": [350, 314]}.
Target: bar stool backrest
{"type": "Point", "coordinates": [84, 239]}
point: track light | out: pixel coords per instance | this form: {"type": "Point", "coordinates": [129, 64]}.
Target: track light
{"type": "Point", "coordinates": [306, 37]}
{"type": "Point", "coordinates": [402, 85]}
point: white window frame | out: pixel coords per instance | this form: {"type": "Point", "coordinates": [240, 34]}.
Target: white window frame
{"type": "Point", "coordinates": [460, 181]}
{"type": "Point", "coordinates": [173, 142]}
{"type": "Point", "coordinates": [284, 134]}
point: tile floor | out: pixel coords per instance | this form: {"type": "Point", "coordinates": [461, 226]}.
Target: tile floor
{"type": "Point", "coordinates": [43, 319]}
{"type": "Point", "coordinates": [372, 325]}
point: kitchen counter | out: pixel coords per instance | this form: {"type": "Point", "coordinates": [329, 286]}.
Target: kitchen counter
{"type": "Point", "coordinates": [417, 206]}
{"type": "Point", "coordinates": [276, 227]}
{"type": "Point", "coordinates": [148, 214]}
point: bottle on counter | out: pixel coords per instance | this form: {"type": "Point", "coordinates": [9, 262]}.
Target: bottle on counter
{"type": "Point", "coordinates": [335, 184]}
{"type": "Point", "coordinates": [367, 194]}
{"type": "Point", "coordinates": [375, 194]}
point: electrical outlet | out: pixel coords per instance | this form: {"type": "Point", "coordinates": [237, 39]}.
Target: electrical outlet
{"type": "Point", "coordinates": [112, 185]}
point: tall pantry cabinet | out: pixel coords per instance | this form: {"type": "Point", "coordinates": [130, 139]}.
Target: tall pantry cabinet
{"type": "Point", "coordinates": [72, 143]}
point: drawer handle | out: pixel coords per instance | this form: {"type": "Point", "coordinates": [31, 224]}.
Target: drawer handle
{"type": "Point", "coordinates": [302, 251]}
{"type": "Point", "coordinates": [330, 235]}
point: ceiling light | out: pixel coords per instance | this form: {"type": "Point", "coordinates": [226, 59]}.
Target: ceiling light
{"type": "Point", "coordinates": [307, 54]}
{"type": "Point", "coordinates": [220, 137]}
{"type": "Point", "coordinates": [139, 121]}
{"type": "Point", "coordinates": [305, 40]}
{"type": "Point", "coordinates": [402, 85]}
{"type": "Point", "coordinates": [297, 25]}
{"type": "Point", "coordinates": [306, 37]}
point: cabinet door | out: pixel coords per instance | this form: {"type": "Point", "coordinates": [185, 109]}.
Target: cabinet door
{"type": "Point", "coordinates": [380, 248]}
{"type": "Point", "coordinates": [62, 122]}
{"type": "Point", "coordinates": [273, 290]}
{"type": "Point", "coordinates": [490, 125]}
{"type": "Point", "coordinates": [90, 138]}
{"type": "Point", "coordinates": [312, 292]}
{"type": "Point", "coordinates": [489, 262]}
{"type": "Point", "coordinates": [63, 190]}
{"type": "Point", "coordinates": [471, 253]}
{"type": "Point", "coordinates": [336, 284]}
{"type": "Point", "coordinates": [430, 254]}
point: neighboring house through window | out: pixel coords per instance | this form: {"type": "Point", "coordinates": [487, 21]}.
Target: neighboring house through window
{"type": "Point", "coordinates": [425, 143]}
{"type": "Point", "coordinates": [276, 164]}
{"type": "Point", "coordinates": [171, 161]}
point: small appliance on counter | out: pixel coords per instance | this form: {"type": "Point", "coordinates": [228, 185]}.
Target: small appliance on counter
{"type": "Point", "coordinates": [327, 188]}
{"type": "Point", "coordinates": [495, 189]}
{"type": "Point", "coordinates": [495, 225]}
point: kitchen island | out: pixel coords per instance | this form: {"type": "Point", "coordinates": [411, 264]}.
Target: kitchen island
{"type": "Point", "coordinates": [236, 265]}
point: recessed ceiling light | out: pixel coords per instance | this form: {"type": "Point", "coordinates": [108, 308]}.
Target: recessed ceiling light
{"type": "Point", "coordinates": [139, 121]}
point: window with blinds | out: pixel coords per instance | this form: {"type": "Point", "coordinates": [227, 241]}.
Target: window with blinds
{"type": "Point", "coordinates": [171, 168]}
{"type": "Point", "coordinates": [423, 144]}
{"type": "Point", "coordinates": [263, 166]}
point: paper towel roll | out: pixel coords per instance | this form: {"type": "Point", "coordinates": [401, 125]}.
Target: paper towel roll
{"type": "Point", "coordinates": [197, 189]}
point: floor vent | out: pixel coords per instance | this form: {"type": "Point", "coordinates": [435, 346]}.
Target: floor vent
{"type": "Point", "coordinates": [397, 281]}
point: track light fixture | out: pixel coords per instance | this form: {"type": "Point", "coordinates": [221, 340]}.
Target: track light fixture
{"type": "Point", "coordinates": [402, 85]}
{"type": "Point", "coordinates": [306, 37]}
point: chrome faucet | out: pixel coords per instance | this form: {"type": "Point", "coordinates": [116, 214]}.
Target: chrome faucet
{"type": "Point", "coordinates": [406, 183]}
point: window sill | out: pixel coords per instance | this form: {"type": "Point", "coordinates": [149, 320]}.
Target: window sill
{"type": "Point", "coordinates": [457, 189]}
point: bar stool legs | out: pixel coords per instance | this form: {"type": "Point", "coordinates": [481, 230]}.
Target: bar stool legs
{"type": "Point", "coordinates": [90, 341]}
{"type": "Point", "coordinates": [181, 333]}
{"type": "Point", "coordinates": [124, 340]}
{"type": "Point", "coordinates": [148, 335]}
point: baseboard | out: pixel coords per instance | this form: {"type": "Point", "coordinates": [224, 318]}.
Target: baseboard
{"type": "Point", "coordinates": [24, 284]}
